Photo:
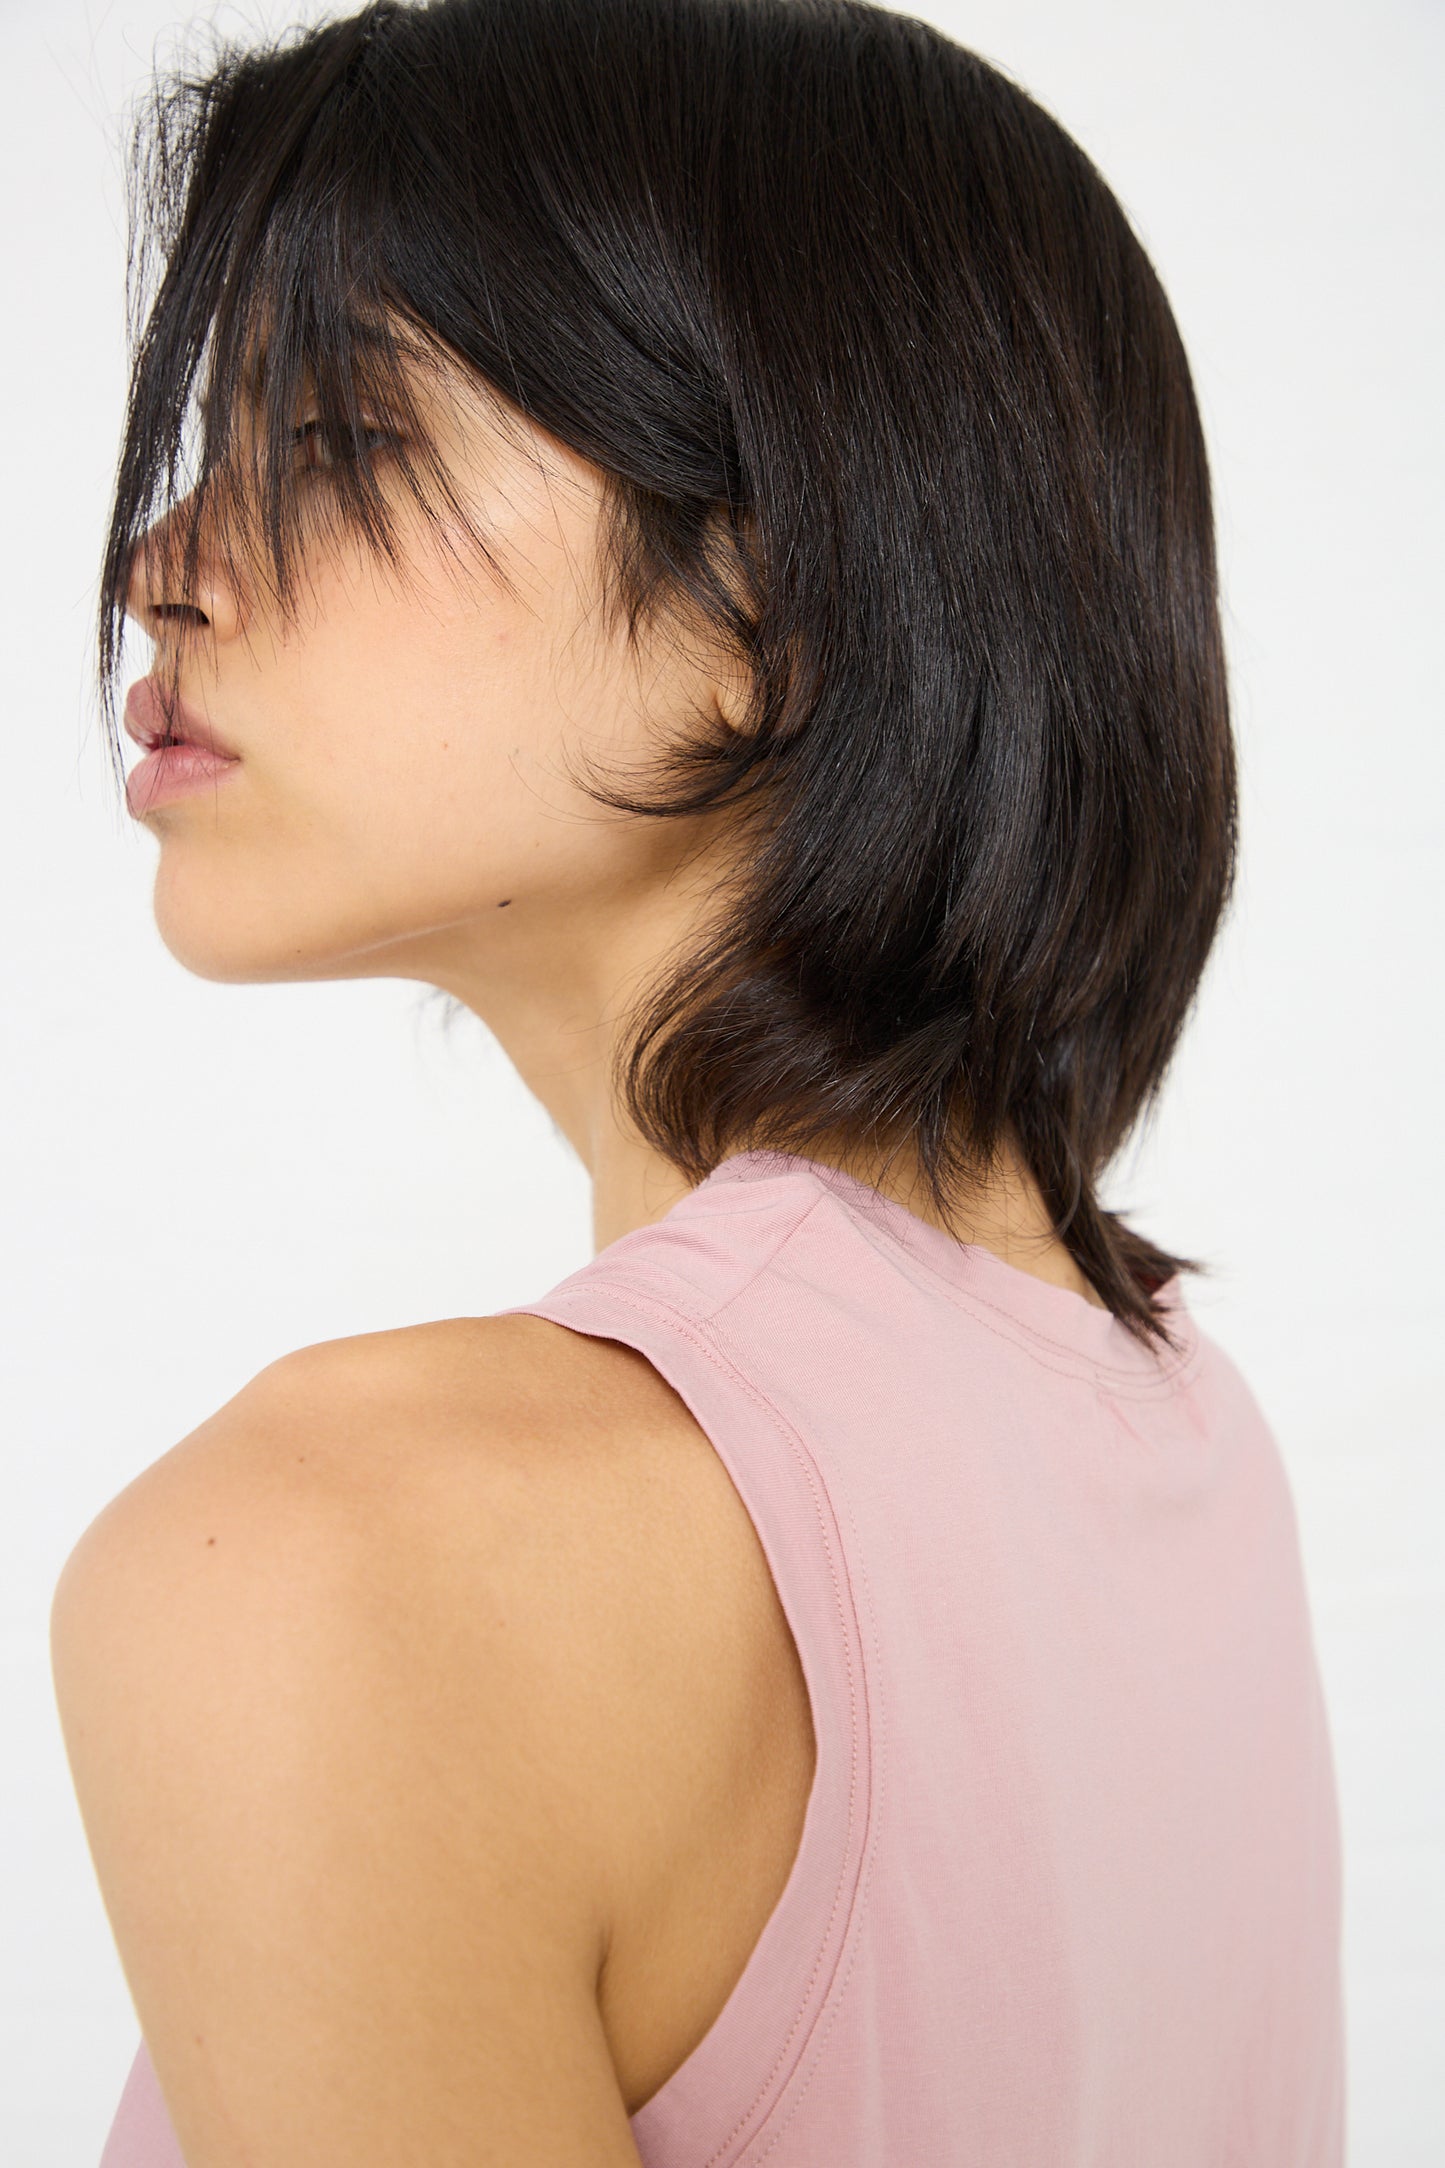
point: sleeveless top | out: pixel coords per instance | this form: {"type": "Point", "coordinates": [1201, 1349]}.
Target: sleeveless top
{"type": "Point", "coordinates": [1068, 1892]}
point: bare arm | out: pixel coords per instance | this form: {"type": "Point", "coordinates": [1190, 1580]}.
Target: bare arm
{"type": "Point", "coordinates": [329, 1752]}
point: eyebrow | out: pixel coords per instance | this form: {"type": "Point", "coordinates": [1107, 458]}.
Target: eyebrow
{"type": "Point", "coordinates": [254, 385]}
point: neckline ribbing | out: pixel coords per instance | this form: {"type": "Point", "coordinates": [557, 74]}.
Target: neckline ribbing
{"type": "Point", "coordinates": [1055, 1314]}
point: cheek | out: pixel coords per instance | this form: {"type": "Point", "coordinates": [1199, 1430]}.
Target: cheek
{"type": "Point", "coordinates": [378, 706]}
{"type": "Point", "coordinates": [414, 771]}
{"type": "Point", "coordinates": [408, 766]}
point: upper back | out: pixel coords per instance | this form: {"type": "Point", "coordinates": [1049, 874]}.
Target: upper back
{"type": "Point", "coordinates": [1068, 1884]}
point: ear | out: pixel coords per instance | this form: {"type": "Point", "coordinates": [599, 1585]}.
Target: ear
{"type": "Point", "coordinates": [736, 560]}
{"type": "Point", "coordinates": [733, 685]}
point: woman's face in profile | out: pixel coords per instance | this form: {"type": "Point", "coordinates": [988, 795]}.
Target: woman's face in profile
{"type": "Point", "coordinates": [401, 804]}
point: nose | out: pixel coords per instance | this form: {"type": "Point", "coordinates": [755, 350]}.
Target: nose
{"type": "Point", "coordinates": [159, 599]}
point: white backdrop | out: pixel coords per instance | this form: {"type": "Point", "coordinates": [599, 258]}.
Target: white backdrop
{"type": "Point", "coordinates": [338, 1165]}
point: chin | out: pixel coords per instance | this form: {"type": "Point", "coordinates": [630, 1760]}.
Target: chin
{"type": "Point", "coordinates": [225, 937]}
{"type": "Point", "coordinates": [232, 931]}
{"type": "Point", "coordinates": [227, 962]}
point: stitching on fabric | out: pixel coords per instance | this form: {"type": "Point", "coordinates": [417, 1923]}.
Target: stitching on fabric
{"type": "Point", "coordinates": [706, 1317]}
{"type": "Point", "coordinates": [875, 1814]}
{"type": "Point", "coordinates": [1177, 1370]}
{"type": "Point", "coordinates": [635, 1295]}
{"type": "Point", "coordinates": [663, 1314]}
{"type": "Point", "coordinates": [1180, 1370]}
{"type": "Point", "coordinates": [1171, 1373]}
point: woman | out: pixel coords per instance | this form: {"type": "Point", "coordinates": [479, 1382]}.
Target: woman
{"type": "Point", "coordinates": [683, 524]}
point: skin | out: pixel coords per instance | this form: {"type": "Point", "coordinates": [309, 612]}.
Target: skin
{"type": "Point", "coordinates": [405, 809]}
{"type": "Point", "coordinates": [490, 1552]}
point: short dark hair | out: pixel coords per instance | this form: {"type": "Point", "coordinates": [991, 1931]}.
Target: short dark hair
{"type": "Point", "coordinates": [883, 384]}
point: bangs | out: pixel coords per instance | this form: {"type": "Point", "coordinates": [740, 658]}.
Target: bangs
{"type": "Point", "coordinates": [283, 391]}
{"type": "Point", "coordinates": [887, 399]}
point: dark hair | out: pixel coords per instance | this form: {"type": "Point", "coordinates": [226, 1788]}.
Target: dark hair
{"type": "Point", "coordinates": [883, 385]}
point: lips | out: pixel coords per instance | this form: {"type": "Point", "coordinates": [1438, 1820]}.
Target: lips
{"type": "Point", "coordinates": [150, 723]}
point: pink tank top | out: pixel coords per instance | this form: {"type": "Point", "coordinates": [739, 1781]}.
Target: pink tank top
{"type": "Point", "coordinates": [1068, 1893]}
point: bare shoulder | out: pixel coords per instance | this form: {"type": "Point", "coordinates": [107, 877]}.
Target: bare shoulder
{"type": "Point", "coordinates": [487, 1547]}
{"type": "Point", "coordinates": [354, 1683]}
{"type": "Point", "coordinates": [372, 1435]}
{"type": "Point", "coordinates": [496, 1445]}
{"type": "Point", "coordinates": [469, 1466]}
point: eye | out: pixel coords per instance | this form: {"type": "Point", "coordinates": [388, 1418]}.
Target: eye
{"type": "Point", "coordinates": [321, 449]}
